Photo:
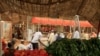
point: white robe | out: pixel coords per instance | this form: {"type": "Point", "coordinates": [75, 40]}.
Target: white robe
{"type": "Point", "coordinates": [21, 47]}
{"type": "Point", "coordinates": [51, 38]}
{"type": "Point", "coordinates": [76, 35]}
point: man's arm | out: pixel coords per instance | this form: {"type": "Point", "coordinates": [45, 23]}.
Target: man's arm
{"type": "Point", "coordinates": [41, 42]}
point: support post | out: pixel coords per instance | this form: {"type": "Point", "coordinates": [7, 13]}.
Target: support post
{"type": "Point", "coordinates": [28, 25]}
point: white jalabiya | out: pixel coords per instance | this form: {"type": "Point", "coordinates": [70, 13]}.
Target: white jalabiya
{"type": "Point", "coordinates": [51, 38]}
{"type": "Point", "coordinates": [25, 47]}
{"type": "Point", "coordinates": [21, 47]}
{"type": "Point", "coordinates": [76, 35]}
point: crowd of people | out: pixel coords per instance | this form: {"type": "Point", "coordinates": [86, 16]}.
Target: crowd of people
{"type": "Point", "coordinates": [33, 43]}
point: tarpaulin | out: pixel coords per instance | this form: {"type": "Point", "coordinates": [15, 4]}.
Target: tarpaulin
{"type": "Point", "coordinates": [61, 22]}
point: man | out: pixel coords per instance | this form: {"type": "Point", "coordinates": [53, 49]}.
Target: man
{"type": "Point", "coordinates": [76, 34]}
{"type": "Point", "coordinates": [35, 39]}
{"type": "Point", "coordinates": [51, 37]}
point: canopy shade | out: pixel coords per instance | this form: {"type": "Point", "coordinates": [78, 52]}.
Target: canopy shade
{"type": "Point", "coordinates": [61, 22]}
{"type": "Point", "coordinates": [82, 23]}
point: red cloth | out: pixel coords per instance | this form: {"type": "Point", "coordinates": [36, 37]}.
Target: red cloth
{"type": "Point", "coordinates": [35, 52]}
{"type": "Point", "coordinates": [43, 52]}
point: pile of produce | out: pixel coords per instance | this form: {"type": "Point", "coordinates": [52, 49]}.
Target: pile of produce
{"type": "Point", "coordinates": [74, 47]}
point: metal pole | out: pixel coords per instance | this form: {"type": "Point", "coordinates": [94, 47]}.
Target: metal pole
{"type": "Point", "coordinates": [70, 29]}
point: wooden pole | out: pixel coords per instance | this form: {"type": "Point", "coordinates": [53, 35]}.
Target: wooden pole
{"type": "Point", "coordinates": [28, 25]}
{"type": "Point", "coordinates": [91, 29]}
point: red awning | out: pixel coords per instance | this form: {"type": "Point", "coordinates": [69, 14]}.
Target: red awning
{"type": "Point", "coordinates": [59, 22]}
{"type": "Point", "coordinates": [85, 24]}
{"type": "Point", "coordinates": [66, 23]}
{"type": "Point", "coordinates": [38, 20]}
{"type": "Point", "coordinates": [55, 21]}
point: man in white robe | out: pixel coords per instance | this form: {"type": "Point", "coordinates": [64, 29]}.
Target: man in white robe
{"type": "Point", "coordinates": [76, 34]}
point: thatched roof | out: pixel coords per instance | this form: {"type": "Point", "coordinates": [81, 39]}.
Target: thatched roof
{"type": "Point", "coordinates": [87, 9]}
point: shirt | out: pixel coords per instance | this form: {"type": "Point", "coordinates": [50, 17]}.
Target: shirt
{"type": "Point", "coordinates": [62, 35]}
{"type": "Point", "coordinates": [36, 37]}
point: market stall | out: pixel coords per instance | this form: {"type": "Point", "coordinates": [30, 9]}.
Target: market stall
{"type": "Point", "coordinates": [57, 22]}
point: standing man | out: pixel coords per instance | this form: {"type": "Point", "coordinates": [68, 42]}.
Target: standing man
{"type": "Point", "coordinates": [36, 36]}
{"type": "Point", "coordinates": [51, 37]}
{"type": "Point", "coordinates": [76, 34]}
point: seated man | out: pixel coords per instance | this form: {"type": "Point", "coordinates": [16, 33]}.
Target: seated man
{"type": "Point", "coordinates": [28, 45]}
{"type": "Point", "coordinates": [19, 46]}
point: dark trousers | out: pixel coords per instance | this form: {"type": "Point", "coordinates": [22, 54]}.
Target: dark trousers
{"type": "Point", "coordinates": [35, 45]}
